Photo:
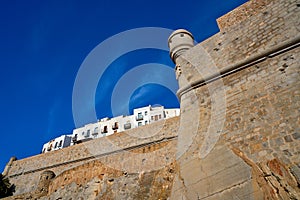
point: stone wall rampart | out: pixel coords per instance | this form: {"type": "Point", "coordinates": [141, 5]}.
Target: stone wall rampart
{"type": "Point", "coordinates": [242, 13]}
{"type": "Point", "coordinates": [246, 82]}
{"type": "Point", "coordinates": [254, 39]}
{"type": "Point", "coordinates": [247, 147]}
{"type": "Point", "coordinates": [25, 173]}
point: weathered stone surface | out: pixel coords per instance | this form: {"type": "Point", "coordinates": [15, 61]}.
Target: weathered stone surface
{"type": "Point", "coordinates": [242, 13]}
{"type": "Point", "coordinates": [215, 175]}
{"type": "Point", "coordinates": [253, 67]}
{"type": "Point", "coordinates": [101, 182]}
{"type": "Point", "coordinates": [113, 151]}
{"type": "Point", "coordinates": [237, 136]}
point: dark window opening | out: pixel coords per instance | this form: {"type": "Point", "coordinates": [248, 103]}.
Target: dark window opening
{"type": "Point", "coordinates": [115, 126]}
{"type": "Point", "coordinates": [104, 129]}
{"type": "Point", "coordinates": [60, 143]}
{"type": "Point", "coordinates": [127, 126]}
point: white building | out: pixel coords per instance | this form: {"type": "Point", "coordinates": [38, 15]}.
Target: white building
{"type": "Point", "coordinates": [103, 127]}
{"type": "Point", "coordinates": [147, 115]}
{"type": "Point", "coordinates": [173, 112]}
{"type": "Point", "coordinates": [150, 114]}
{"type": "Point", "coordinates": [85, 133]}
{"type": "Point", "coordinates": [106, 126]}
{"type": "Point", "coordinates": [57, 143]}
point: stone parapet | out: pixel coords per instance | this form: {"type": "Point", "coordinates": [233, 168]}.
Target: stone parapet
{"type": "Point", "coordinates": [255, 39]}
{"type": "Point", "coordinates": [24, 173]}
{"type": "Point", "coordinates": [242, 13]}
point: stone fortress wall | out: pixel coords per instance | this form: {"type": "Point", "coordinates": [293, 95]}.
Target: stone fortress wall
{"type": "Point", "coordinates": [113, 151]}
{"type": "Point", "coordinates": [252, 67]}
{"type": "Point", "coordinates": [242, 85]}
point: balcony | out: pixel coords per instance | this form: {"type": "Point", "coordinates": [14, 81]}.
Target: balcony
{"type": "Point", "coordinates": [139, 117]}
{"type": "Point", "coordinates": [115, 126]}
{"type": "Point", "coordinates": [74, 139]}
{"type": "Point", "coordinates": [104, 130]}
{"type": "Point", "coordinates": [87, 134]}
{"type": "Point", "coordinates": [95, 133]}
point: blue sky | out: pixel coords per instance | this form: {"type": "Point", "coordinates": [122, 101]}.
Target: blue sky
{"type": "Point", "coordinates": [44, 43]}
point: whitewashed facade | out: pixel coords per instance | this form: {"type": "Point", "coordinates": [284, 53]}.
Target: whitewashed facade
{"type": "Point", "coordinates": [57, 143]}
{"type": "Point", "coordinates": [173, 112]}
{"type": "Point", "coordinates": [150, 114]}
{"type": "Point", "coordinates": [104, 127]}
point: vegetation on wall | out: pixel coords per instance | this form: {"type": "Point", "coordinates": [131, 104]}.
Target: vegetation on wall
{"type": "Point", "coordinates": [6, 189]}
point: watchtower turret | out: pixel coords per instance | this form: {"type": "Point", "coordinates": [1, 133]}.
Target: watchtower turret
{"type": "Point", "coordinates": [179, 42]}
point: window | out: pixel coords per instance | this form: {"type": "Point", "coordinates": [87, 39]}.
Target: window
{"type": "Point", "coordinates": [140, 124]}
{"type": "Point", "coordinates": [82, 133]}
{"type": "Point", "coordinates": [156, 117]}
{"type": "Point", "coordinates": [140, 116]}
{"type": "Point", "coordinates": [152, 117]}
{"type": "Point", "coordinates": [146, 122]}
{"type": "Point", "coordinates": [159, 116]}
{"type": "Point", "coordinates": [88, 133]}
{"type": "Point", "coordinates": [104, 129]}
{"type": "Point", "coordinates": [60, 143]}
{"type": "Point", "coordinates": [95, 131]}
{"type": "Point", "coordinates": [55, 145]}
{"type": "Point", "coordinates": [74, 139]}
{"type": "Point", "coordinates": [146, 113]}
{"type": "Point", "coordinates": [115, 126]}
{"type": "Point", "coordinates": [127, 126]}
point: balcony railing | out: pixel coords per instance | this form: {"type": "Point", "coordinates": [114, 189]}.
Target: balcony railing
{"type": "Point", "coordinates": [74, 139]}
{"type": "Point", "coordinates": [139, 117]}
{"type": "Point", "coordinates": [115, 127]}
{"type": "Point", "coordinates": [95, 133]}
